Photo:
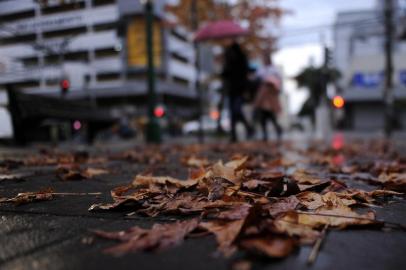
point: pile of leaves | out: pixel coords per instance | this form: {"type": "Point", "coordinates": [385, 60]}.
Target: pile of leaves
{"type": "Point", "coordinates": [248, 204]}
{"type": "Point", "coordinates": [267, 200]}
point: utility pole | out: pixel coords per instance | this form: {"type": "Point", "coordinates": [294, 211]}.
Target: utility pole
{"type": "Point", "coordinates": [195, 24]}
{"type": "Point", "coordinates": [153, 132]}
{"type": "Point", "coordinates": [388, 91]}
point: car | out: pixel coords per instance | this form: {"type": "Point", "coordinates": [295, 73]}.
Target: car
{"type": "Point", "coordinates": [209, 125]}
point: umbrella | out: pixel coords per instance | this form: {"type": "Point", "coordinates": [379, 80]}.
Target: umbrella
{"type": "Point", "coordinates": [220, 29]}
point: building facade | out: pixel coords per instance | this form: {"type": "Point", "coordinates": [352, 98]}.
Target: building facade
{"type": "Point", "coordinates": [359, 38]}
{"type": "Point", "coordinates": [99, 45]}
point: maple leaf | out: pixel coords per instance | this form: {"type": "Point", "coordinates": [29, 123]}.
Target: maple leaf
{"type": "Point", "coordinates": [232, 171]}
{"type": "Point", "coordinates": [158, 238]}
{"type": "Point", "coordinates": [226, 233]}
{"type": "Point", "coordinates": [228, 225]}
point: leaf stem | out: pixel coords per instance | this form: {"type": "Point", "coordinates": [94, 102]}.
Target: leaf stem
{"type": "Point", "coordinates": [316, 247]}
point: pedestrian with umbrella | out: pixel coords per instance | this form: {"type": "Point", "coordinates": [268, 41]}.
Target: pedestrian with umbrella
{"type": "Point", "coordinates": [235, 68]}
{"type": "Point", "coordinates": [235, 80]}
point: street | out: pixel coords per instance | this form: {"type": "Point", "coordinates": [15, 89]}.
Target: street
{"type": "Point", "coordinates": [58, 233]}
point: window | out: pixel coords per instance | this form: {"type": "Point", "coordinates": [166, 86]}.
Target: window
{"type": "Point", "coordinates": [179, 36]}
{"type": "Point", "coordinates": [30, 61]}
{"type": "Point", "coordinates": [17, 16]}
{"type": "Point", "coordinates": [26, 84]}
{"type": "Point", "coordinates": [64, 33]}
{"type": "Point", "coordinates": [63, 8]}
{"type": "Point", "coordinates": [107, 52]}
{"type": "Point", "coordinates": [181, 81]}
{"type": "Point", "coordinates": [179, 57]}
{"type": "Point", "coordinates": [103, 2]}
{"type": "Point", "coordinates": [77, 56]}
{"type": "Point", "coordinates": [108, 77]}
{"type": "Point", "coordinates": [18, 39]}
{"type": "Point", "coordinates": [105, 27]}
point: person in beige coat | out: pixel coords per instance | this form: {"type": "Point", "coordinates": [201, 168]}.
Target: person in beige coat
{"type": "Point", "coordinates": [266, 103]}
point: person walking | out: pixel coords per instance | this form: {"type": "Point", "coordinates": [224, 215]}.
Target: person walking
{"type": "Point", "coordinates": [234, 75]}
{"type": "Point", "coordinates": [266, 103]}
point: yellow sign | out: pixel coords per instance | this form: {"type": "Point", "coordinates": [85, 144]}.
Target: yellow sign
{"type": "Point", "coordinates": [136, 43]}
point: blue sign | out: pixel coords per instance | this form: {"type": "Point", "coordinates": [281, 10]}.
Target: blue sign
{"type": "Point", "coordinates": [402, 77]}
{"type": "Point", "coordinates": [367, 80]}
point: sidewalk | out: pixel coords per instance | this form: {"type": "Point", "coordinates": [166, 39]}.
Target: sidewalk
{"type": "Point", "coordinates": [57, 234]}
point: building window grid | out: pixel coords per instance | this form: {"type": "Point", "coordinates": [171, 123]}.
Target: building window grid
{"type": "Point", "coordinates": [96, 27]}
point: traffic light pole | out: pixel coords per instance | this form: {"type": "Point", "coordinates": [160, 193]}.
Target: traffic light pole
{"type": "Point", "coordinates": [388, 92]}
{"type": "Point", "coordinates": [153, 132]}
{"type": "Point", "coordinates": [195, 24]}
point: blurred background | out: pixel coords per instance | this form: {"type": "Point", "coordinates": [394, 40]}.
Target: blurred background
{"type": "Point", "coordinates": [87, 71]}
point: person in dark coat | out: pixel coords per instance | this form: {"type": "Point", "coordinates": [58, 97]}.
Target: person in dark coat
{"type": "Point", "coordinates": [235, 79]}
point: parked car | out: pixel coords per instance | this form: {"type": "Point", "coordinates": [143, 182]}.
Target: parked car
{"type": "Point", "coordinates": [209, 125]}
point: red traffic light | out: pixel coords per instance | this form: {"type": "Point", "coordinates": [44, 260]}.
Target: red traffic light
{"type": "Point", "coordinates": [65, 84]}
{"type": "Point", "coordinates": [338, 102]}
{"type": "Point", "coordinates": [159, 112]}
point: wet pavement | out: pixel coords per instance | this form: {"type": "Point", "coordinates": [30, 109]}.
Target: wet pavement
{"type": "Point", "coordinates": [57, 234]}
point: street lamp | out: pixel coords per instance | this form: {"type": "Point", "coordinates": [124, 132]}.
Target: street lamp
{"type": "Point", "coordinates": [153, 132]}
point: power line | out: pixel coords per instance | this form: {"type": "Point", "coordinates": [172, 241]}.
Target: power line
{"type": "Point", "coordinates": [311, 29]}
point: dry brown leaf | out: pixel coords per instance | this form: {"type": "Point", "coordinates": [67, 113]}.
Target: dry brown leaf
{"type": "Point", "coordinates": [393, 181]}
{"type": "Point", "coordinates": [367, 196]}
{"type": "Point", "coordinates": [312, 200]}
{"type": "Point", "coordinates": [159, 237]}
{"type": "Point", "coordinates": [242, 265]}
{"type": "Point", "coordinates": [226, 233]}
{"type": "Point", "coordinates": [282, 205]}
{"type": "Point", "coordinates": [93, 172]}
{"type": "Point", "coordinates": [194, 161]}
{"type": "Point", "coordinates": [146, 181]}
{"type": "Point", "coordinates": [13, 176]}
{"type": "Point", "coordinates": [275, 247]}
{"type": "Point", "coordinates": [289, 223]}
{"type": "Point", "coordinates": [236, 212]}
{"type": "Point", "coordinates": [303, 177]}
{"type": "Point", "coordinates": [28, 197]}
{"type": "Point", "coordinates": [341, 217]}
{"type": "Point", "coordinates": [232, 171]}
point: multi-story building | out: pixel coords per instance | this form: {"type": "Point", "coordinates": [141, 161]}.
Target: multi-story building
{"type": "Point", "coordinates": [359, 55]}
{"type": "Point", "coordinates": [99, 45]}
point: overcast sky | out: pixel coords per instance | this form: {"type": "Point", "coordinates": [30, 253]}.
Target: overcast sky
{"type": "Point", "coordinates": [297, 47]}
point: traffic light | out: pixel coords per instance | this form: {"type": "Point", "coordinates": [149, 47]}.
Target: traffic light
{"type": "Point", "coordinates": [65, 84]}
{"type": "Point", "coordinates": [338, 102]}
{"type": "Point", "coordinates": [328, 58]}
{"type": "Point", "coordinates": [159, 111]}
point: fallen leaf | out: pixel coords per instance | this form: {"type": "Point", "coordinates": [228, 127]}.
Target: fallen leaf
{"type": "Point", "coordinates": [242, 265]}
{"type": "Point", "coordinates": [282, 205]}
{"type": "Point", "coordinates": [158, 238]}
{"type": "Point", "coordinates": [226, 233]}
{"type": "Point", "coordinates": [303, 177]}
{"type": "Point", "coordinates": [289, 223]}
{"type": "Point", "coordinates": [312, 200]}
{"type": "Point", "coordinates": [194, 161]}
{"type": "Point", "coordinates": [28, 197]}
{"type": "Point", "coordinates": [393, 181]}
{"type": "Point", "coordinates": [275, 247]}
{"type": "Point", "coordinates": [341, 217]}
